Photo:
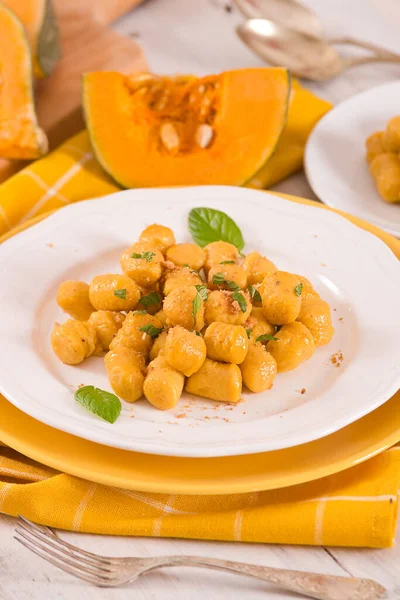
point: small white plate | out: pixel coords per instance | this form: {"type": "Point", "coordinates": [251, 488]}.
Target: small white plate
{"type": "Point", "coordinates": [335, 162]}
{"type": "Point", "coordinates": [353, 270]}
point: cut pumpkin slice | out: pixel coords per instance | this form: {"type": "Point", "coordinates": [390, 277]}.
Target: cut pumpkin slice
{"type": "Point", "coordinates": [20, 136]}
{"type": "Point", "coordinates": [151, 131]}
{"type": "Point", "coordinates": [39, 20]}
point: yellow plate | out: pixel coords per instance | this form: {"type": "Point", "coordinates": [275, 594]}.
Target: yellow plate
{"type": "Point", "coordinates": [227, 475]}
{"type": "Point", "coordinates": [238, 474]}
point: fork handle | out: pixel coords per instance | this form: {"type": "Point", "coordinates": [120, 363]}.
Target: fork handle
{"type": "Point", "coordinates": [314, 585]}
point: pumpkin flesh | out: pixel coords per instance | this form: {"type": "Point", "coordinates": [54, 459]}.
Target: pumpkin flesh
{"type": "Point", "coordinates": [244, 109]}
{"type": "Point", "coordinates": [39, 20]}
{"type": "Point", "coordinates": [20, 136]}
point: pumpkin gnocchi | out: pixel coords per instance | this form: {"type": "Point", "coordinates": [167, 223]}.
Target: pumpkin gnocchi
{"type": "Point", "coordinates": [209, 320]}
{"type": "Point", "coordinates": [382, 154]}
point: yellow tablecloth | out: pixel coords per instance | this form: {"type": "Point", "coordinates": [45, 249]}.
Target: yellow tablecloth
{"type": "Point", "coordinates": [355, 508]}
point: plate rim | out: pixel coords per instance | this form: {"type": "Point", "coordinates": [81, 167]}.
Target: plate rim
{"type": "Point", "coordinates": [309, 172]}
{"type": "Point", "coordinates": [233, 451]}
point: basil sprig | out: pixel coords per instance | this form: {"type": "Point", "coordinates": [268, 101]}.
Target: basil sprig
{"type": "Point", "coordinates": [240, 300]}
{"type": "Point", "coordinates": [120, 293]}
{"type": "Point", "coordinates": [151, 330]}
{"type": "Point", "coordinates": [266, 337]}
{"type": "Point", "coordinates": [298, 289]}
{"type": "Point", "coordinates": [148, 255]}
{"type": "Point", "coordinates": [150, 299]}
{"type": "Point", "coordinates": [210, 225]}
{"type": "Point", "coordinates": [101, 403]}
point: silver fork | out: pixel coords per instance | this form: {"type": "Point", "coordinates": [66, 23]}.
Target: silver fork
{"type": "Point", "coordinates": [107, 571]}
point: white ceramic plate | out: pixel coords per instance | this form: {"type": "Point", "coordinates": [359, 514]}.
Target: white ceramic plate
{"type": "Point", "coordinates": [335, 162]}
{"type": "Point", "coordinates": [353, 270]}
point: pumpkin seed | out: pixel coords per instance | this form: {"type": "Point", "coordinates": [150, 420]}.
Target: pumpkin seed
{"type": "Point", "coordinates": [204, 134]}
{"type": "Point", "coordinates": [169, 137]}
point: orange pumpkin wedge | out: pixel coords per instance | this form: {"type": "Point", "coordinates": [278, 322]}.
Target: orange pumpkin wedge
{"type": "Point", "coordinates": [39, 19]}
{"type": "Point", "coordinates": [20, 136]}
{"type": "Point", "coordinates": [151, 131]}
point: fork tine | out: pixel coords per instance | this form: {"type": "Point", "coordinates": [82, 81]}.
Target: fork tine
{"type": "Point", "coordinates": [48, 531]}
{"type": "Point", "coordinates": [55, 543]}
{"type": "Point", "coordinates": [77, 565]}
{"type": "Point", "coordinates": [65, 567]}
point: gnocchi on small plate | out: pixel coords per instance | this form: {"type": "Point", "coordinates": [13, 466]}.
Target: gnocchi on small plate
{"type": "Point", "coordinates": [241, 323]}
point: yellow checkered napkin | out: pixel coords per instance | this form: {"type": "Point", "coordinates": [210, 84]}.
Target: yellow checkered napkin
{"type": "Point", "coordinates": [357, 507]}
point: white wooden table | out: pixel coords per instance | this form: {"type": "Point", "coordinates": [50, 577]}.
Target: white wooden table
{"type": "Point", "coordinates": [197, 36]}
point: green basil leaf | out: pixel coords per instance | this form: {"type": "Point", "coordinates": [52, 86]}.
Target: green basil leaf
{"type": "Point", "coordinates": [120, 293]}
{"type": "Point", "coordinates": [227, 262]}
{"type": "Point", "coordinates": [240, 300]}
{"type": "Point", "coordinates": [196, 305]}
{"type": "Point", "coordinates": [148, 255]}
{"type": "Point", "coordinates": [151, 330]}
{"type": "Point", "coordinates": [248, 331]}
{"type": "Point", "coordinates": [254, 294]}
{"type": "Point", "coordinates": [218, 279]}
{"type": "Point", "coordinates": [265, 337]}
{"type": "Point", "coordinates": [198, 333]}
{"type": "Point", "coordinates": [202, 289]}
{"type": "Point", "coordinates": [233, 286]}
{"type": "Point", "coordinates": [298, 289]}
{"type": "Point", "coordinates": [150, 299]}
{"type": "Point", "coordinates": [101, 403]}
{"type": "Point", "coordinates": [210, 225]}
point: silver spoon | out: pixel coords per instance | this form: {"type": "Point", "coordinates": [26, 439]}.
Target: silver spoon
{"type": "Point", "coordinates": [291, 14]}
{"type": "Point", "coordinates": [306, 56]}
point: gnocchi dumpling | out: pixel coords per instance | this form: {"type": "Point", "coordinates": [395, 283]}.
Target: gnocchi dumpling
{"type": "Point", "coordinates": [316, 316]}
{"type": "Point", "coordinates": [218, 252]}
{"type": "Point", "coordinates": [216, 381]}
{"type": "Point", "coordinates": [126, 371]}
{"type": "Point", "coordinates": [133, 334]}
{"type": "Point", "coordinates": [158, 345]}
{"type": "Point", "coordinates": [73, 341]}
{"type": "Point", "coordinates": [106, 324]}
{"type": "Point", "coordinates": [158, 236]}
{"type": "Point", "coordinates": [294, 345]}
{"type": "Point", "coordinates": [257, 324]}
{"type": "Point", "coordinates": [113, 292]}
{"type": "Point", "coordinates": [185, 306]}
{"type": "Point", "coordinates": [233, 308]}
{"type": "Point", "coordinates": [226, 343]}
{"type": "Point", "coordinates": [163, 384]}
{"type": "Point", "coordinates": [280, 294]}
{"type": "Point", "coordinates": [374, 145]}
{"type": "Point", "coordinates": [385, 170]}
{"type": "Point", "coordinates": [258, 368]}
{"type": "Point", "coordinates": [73, 298]}
{"type": "Point", "coordinates": [184, 350]}
{"type": "Point", "coordinates": [176, 277]}
{"type": "Point", "coordinates": [142, 263]}
{"type": "Point", "coordinates": [391, 136]}
{"type": "Point", "coordinates": [257, 267]}
{"type": "Point", "coordinates": [189, 255]}
{"type": "Point", "coordinates": [222, 276]}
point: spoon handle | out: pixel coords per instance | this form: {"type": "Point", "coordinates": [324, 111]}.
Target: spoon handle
{"type": "Point", "coordinates": [353, 62]}
{"type": "Point", "coordinates": [361, 44]}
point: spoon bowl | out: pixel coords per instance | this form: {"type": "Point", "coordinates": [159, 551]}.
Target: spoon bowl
{"type": "Point", "coordinates": [288, 13]}
{"type": "Point", "coordinates": [306, 56]}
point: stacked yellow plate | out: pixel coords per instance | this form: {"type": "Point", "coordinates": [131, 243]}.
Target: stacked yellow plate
{"type": "Point", "coordinates": [334, 411]}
